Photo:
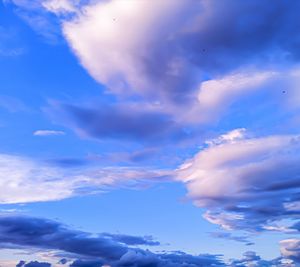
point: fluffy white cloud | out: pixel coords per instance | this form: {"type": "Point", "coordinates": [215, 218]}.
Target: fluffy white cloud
{"type": "Point", "coordinates": [128, 45]}
{"type": "Point", "coordinates": [248, 183]}
{"type": "Point", "coordinates": [25, 180]}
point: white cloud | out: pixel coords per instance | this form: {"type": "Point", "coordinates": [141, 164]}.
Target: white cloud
{"type": "Point", "coordinates": [290, 248]}
{"type": "Point", "coordinates": [231, 136]}
{"type": "Point", "coordinates": [25, 180]}
{"type": "Point", "coordinates": [128, 45]}
{"type": "Point", "coordinates": [239, 181]}
{"type": "Point", "coordinates": [48, 133]}
{"type": "Point", "coordinates": [61, 6]}
{"type": "Point", "coordinates": [215, 96]}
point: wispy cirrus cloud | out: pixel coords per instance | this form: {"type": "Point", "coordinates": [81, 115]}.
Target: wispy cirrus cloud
{"type": "Point", "coordinates": [228, 236]}
{"type": "Point", "coordinates": [26, 180]}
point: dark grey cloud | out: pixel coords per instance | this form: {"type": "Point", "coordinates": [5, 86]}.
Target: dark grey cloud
{"type": "Point", "coordinates": [21, 263]}
{"type": "Point", "coordinates": [47, 234]}
{"type": "Point", "coordinates": [37, 264]}
{"type": "Point", "coordinates": [119, 122]}
{"type": "Point", "coordinates": [92, 250]}
{"type": "Point", "coordinates": [33, 264]}
{"type": "Point", "coordinates": [63, 261]}
{"type": "Point", "coordinates": [84, 250]}
{"type": "Point", "coordinates": [231, 33]}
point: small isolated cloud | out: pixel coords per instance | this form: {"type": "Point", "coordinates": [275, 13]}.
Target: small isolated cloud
{"type": "Point", "coordinates": [229, 236]}
{"type": "Point", "coordinates": [249, 184]}
{"type": "Point", "coordinates": [48, 133]}
{"type": "Point", "coordinates": [231, 136]}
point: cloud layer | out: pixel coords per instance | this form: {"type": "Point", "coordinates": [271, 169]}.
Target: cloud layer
{"type": "Point", "coordinates": [92, 250]}
{"type": "Point", "coordinates": [81, 249]}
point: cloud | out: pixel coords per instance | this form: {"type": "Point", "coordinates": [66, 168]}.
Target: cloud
{"type": "Point", "coordinates": [177, 54]}
{"type": "Point", "coordinates": [217, 95]}
{"type": "Point", "coordinates": [48, 133]}
{"type": "Point", "coordinates": [87, 263]}
{"type": "Point", "coordinates": [82, 249]}
{"type": "Point", "coordinates": [128, 122]}
{"type": "Point", "coordinates": [33, 264]}
{"type": "Point", "coordinates": [249, 184]}
{"type": "Point", "coordinates": [47, 234]}
{"type": "Point", "coordinates": [92, 250]}
{"type": "Point", "coordinates": [34, 14]}
{"type": "Point", "coordinates": [251, 259]}
{"type": "Point", "coordinates": [290, 248]}
{"type": "Point", "coordinates": [26, 180]}
{"type": "Point", "coordinates": [101, 25]}
{"type": "Point", "coordinates": [61, 7]}
{"type": "Point", "coordinates": [231, 136]}
{"type": "Point", "coordinates": [166, 52]}
{"type": "Point", "coordinates": [143, 59]}
{"type": "Point", "coordinates": [229, 236]}
{"type": "Point", "coordinates": [132, 240]}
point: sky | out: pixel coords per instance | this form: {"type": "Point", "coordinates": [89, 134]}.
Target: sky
{"type": "Point", "coordinates": [138, 133]}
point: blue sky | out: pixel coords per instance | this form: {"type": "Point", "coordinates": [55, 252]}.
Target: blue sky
{"type": "Point", "coordinates": [138, 133]}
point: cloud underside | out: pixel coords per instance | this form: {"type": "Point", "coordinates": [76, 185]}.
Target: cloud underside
{"type": "Point", "coordinates": [75, 248]}
{"type": "Point", "coordinates": [91, 250]}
